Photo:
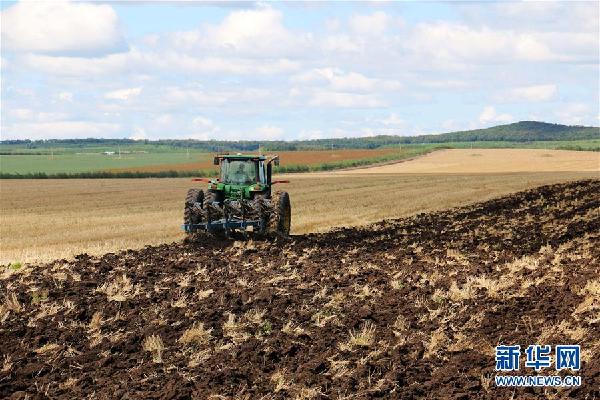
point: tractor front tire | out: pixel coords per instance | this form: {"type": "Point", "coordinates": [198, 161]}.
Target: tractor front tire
{"type": "Point", "coordinates": [190, 215]}
{"type": "Point", "coordinates": [280, 220]}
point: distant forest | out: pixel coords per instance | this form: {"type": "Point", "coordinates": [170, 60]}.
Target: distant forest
{"type": "Point", "coordinates": [524, 131]}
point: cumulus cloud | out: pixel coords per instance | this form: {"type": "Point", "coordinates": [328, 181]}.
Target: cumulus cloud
{"type": "Point", "coordinates": [489, 115]}
{"type": "Point", "coordinates": [155, 62]}
{"type": "Point", "coordinates": [123, 94]}
{"type": "Point", "coordinates": [60, 130]}
{"type": "Point", "coordinates": [203, 128]}
{"type": "Point", "coordinates": [256, 32]}
{"type": "Point", "coordinates": [339, 80]}
{"type": "Point", "coordinates": [251, 29]}
{"type": "Point", "coordinates": [371, 24]}
{"type": "Point", "coordinates": [21, 113]}
{"type": "Point", "coordinates": [62, 27]}
{"type": "Point", "coordinates": [217, 64]}
{"type": "Point", "coordinates": [324, 98]}
{"type": "Point", "coordinates": [80, 66]}
{"type": "Point", "coordinates": [459, 43]}
{"type": "Point", "coordinates": [182, 96]}
{"type": "Point", "coordinates": [268, 132]}
{"type": "Point", "coordinates": [541, 16]}
{"type": "Point", "coordinates": [532, 93]}
{"type": "Point", "coordinates": [393, 120]}
{"type": "Point", "coordinates": [26, 114]}
{"type": "Point", "coordinates": [574, 113]}
{"type": "Point", "coordinates": [65, 96]}
{"type": "Point", "coordinates": [342, 43]}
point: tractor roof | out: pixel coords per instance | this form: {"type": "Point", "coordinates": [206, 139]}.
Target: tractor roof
{"type": "Point", "coordinates": [240, 156]}
{"type": "Point", "coordinates": [247, 157]}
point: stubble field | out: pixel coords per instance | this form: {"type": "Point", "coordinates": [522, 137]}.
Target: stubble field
{"type": "Point", "coordinates": [408, 308]}
{"type": "Point", "coordinates": [42, 220]}
{"type": "Point", "coordinates": [461, 161]}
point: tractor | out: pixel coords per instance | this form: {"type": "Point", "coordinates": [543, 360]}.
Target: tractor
{"type": "Point", "coordinates": [239, 200]}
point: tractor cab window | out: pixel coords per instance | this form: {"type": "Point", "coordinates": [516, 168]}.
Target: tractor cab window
{"type": "Point", "coordinates": [238, 172]}
{"type": "Point", "coordinates": [262, 173]}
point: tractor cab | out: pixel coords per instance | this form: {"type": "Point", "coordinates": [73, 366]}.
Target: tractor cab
{"type": "Point", "coordinates": [241, 169]}
{"type": "Point", "coordinates": [243, 175]}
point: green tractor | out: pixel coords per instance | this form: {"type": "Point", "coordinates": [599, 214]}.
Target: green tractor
{"type": "Point", "coordinates": [240, 200]}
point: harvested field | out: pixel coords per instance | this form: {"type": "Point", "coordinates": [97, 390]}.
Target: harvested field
{"type": "Point", "coordinates": [308, 157]}
{"type": "Point", "coordinates": [464, 161]}
{"type": "Point", "coordinates": [408, 308]}
{"type": "Point", "coordinates": [42, 220]}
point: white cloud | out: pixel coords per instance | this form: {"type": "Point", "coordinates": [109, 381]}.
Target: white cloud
{"type": "Point", "coordinates": [26, 114]}
{"type": "Point", "coordinates": [530, 93]}
{"type": "Point", "coordinates": [333, 24]}
{"type": "Point", "coordinates": [393, 120]}
{"type": "Point", "coordinates": [251, 33]}
{"type": "Point", "coordinates": [372, 24]}
{"type": "Point", "coordinates": [213, 64]}
{"type": "Point", "coordinates": [311, 134]}
{"type": "Point", "coordinates": [547, 15]}
{"type": "Point", "coordinates": [574, 113]}
{"type": "Point", "coordinates": [21, 113]}
{"type": "Point", "coordinates": [342, 43]}
{"type": "Point", "coordinates": [203, 128]}
{"type": "Point", "coordinates": [156, 61]}
{"type": "Point", "coordinates": [123, 94]}
{"type": "Point", "coordinates": [333, 87]}
{"type": "Point", "coordinates": [323, 98]}
{"type": "Point", "coordinates": [164, 119]}
{"type": "Point", "coordinates": [251, 28]}
{"type": "Point", "coordinates": [65, 96]}
{"type": "Point", "coordinates": [80, 66]}
{"type": "Point", "coordinates": [489, 115]}
{"type": "Point", "coordinates": [459, 43]}
{"type": "Point", "coordinates": [61, 27]}
{"type": "Point", "coordinates": [139, 133]}
{"type": "Point", "coordinates": [197, 96]}
{"type": "Point", "coordinates": [339, 80]}
{"type": "Point", "coordinates": [268, 132]}
{"type": "Point", "coordinates": [60, 130]}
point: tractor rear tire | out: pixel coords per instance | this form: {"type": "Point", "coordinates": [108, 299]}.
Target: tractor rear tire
{"type": "Point", "coordinates": [280, 220]}
{"type": "Point", "coordinates": [191, 216]}
{"type": "Point", "coordinates": [209, 198]}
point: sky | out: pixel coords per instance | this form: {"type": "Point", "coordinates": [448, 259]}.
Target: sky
{"type": "Point", "coordinates": [295, 70]}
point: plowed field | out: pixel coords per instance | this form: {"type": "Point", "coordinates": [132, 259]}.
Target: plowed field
{"type": "Point", "coordinates": [408, 308]}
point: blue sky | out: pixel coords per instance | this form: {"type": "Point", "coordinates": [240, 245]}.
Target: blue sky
{"type": "Point", "coordinates": [243, 70]}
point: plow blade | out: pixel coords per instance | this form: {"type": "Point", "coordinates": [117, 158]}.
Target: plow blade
{"type": "Point", "coordinates": [223, 225]}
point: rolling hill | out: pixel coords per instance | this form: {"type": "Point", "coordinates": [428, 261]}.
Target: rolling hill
{"type": "Point", "coordinates": [524, 131]}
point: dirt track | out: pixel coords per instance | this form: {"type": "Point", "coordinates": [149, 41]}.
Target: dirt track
{"type": "Point", "coordinates": [403, 309]}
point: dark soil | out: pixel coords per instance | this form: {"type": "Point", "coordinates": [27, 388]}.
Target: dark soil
{"type": "Point", "coordinates": [436, 292]}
